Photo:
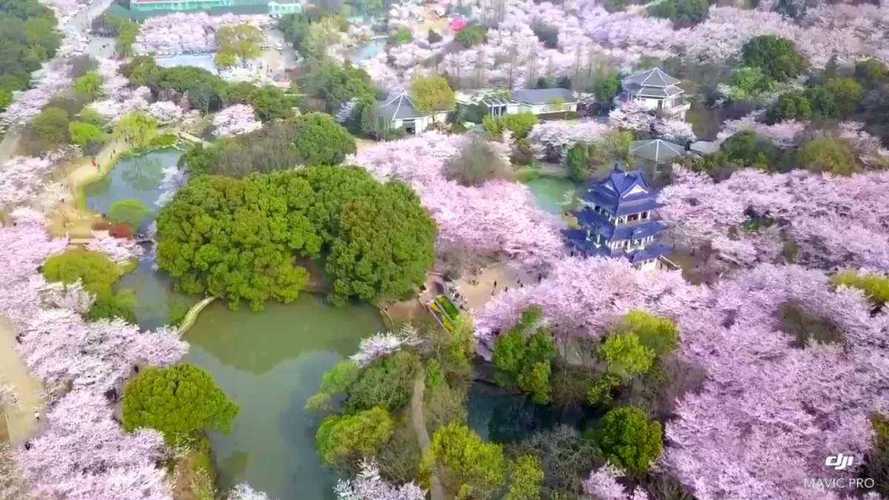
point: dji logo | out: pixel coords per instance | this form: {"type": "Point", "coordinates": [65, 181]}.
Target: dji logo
{"type": "Point", "coordinates": [839, 461]}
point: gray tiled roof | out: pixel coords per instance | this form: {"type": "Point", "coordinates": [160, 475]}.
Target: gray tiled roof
{"type": "Point", "coordinates": [654, 77]}
{"type": "Point", "coordinates": [543, 96]}
{"type": "Point", "coordinates": [659, 92]}
{"type": "Point", "coordinates": [656, 150]}
{"type": "Point", "coordinates": [399, 107]}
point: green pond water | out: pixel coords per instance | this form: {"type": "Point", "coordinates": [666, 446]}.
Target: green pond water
{"type": "Point", "coordinates": [139, 177]}
{"type": "Point", "coordinates": [136, 177]}
{"type": "Point", "coordinates": [553, 194]}
{"type": "Point", "coordinates": [506, 417]}
{"type": "Point", "coordinates": [155, 297]}
{"type": "Point", "coordinates": [270, 363]}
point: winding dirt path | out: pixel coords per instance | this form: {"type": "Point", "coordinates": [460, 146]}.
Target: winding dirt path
{"type": "Point", "coordinates": [418, 420]}
{"type": "Point", "coordinates": [71, 218]}
{"type": "Point", "coordinates": [21, 421]}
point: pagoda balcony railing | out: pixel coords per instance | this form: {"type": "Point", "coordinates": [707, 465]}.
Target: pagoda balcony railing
{"type": "Point", "coordinates": [602, 218]}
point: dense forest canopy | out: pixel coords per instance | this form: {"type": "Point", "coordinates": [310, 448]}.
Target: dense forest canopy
{"type": "Point", "coordinates": [239, 238]}
{"type": "Point", "coordinates": [28, 32]}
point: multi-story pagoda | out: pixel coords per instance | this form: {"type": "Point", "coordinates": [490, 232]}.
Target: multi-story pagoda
{"type": "Point", "coordinates": [619, 219]}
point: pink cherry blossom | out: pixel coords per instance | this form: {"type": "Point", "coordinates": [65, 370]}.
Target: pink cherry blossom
{"type": "Point", "coordinates": [497, 218]}
{"type": "Point", "coordinates": [22, 180]}
{"type": "Point", "coordinates": [52, 79]}
{"type": "Point", "coordinates": [81, 451]}
{"type": "Point", "coordinates": [559, 136]}
{"type": "Point", "coordinates": [165, 112]}
{"type": "Point", "coordinates": [174, 179]}
{"type": "Point", "coordinates": [244, 491]}
{"type": "Point", "coordinates": [582, 296]}
{"type": "Point", "coordinates": [368, 485]}
{"type": "Point", "coordinates": [835, 221]}
{"type": "Point", "coordinates": [235, 120]}
{"type": "Point", "coordinates": [120, 250]}
{"type": "Point", "coordinates": [602, 484]}
{"type": "Point", "coordinates": [383, 344]}
{"type": "Point", "coordinates": [188, 33]}
{"type": "Point", "coordinates": [870, 150]}
{"type": "Point", "coordinates": [770, 412]}
{"type": "Point", "coordinates": [70, 296]}
{"type": "Point", "coordinates": [784, 134]}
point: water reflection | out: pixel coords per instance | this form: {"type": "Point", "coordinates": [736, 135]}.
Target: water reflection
{"type": "Point", "coordinates": [270, 363]}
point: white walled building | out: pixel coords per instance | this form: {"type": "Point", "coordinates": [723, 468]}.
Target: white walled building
{"type": "Point", "coordinates": [399, 112]}
{"type": "Point", "coordinates": [656, 91]}
{"type": "Point", "coordinates": [501, 102]}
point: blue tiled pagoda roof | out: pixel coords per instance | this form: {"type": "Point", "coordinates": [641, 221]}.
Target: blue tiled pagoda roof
{"type": "Point", "coordinates": [622, 193]}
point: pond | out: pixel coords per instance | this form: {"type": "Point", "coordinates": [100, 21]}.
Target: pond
{"type": "Point", "coordinates": [507, 417]}
{"type": "Point", "coordinates": [136, 177]}
{"type": "Point", "coordinates": [156, 301]}
{"type": "Point", "coordinates": [270, 363]}
{"type": "Point", "coordinates": [368, 50]}
{"type": "Point", "coordinates": [203, 61]}
{"type": "Point", "coordinates": [139, 177]}
{"type": "Point", "coordinates": [553, 194]}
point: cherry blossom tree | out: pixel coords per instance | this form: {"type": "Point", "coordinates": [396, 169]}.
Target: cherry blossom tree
{"type": "Point", "coordinates": [771, 410]}
{"type": "Point", "coordinates": [581, 297]}
{"type": "Point", "coordinates": [384, 344]}
{"type": "Point", "coordinates": [188, 33]}
{"type": "Point", "coordinates": [71, 296]}
{"type": "Point", "coordinates": [835, 221]}
{"type": "Point", "coordinates": [81, 451]}
{"type": "Point", "coordinates": [244, 491]}
{"type": "Point", "coordinates": [173, 180]}
{"type": "Point", "coordinates": [602, 484]}
{"type": "Point", "coordinates": [119, 97]}
{"type": "Point", "coordinates": [746, 433]}
{"type": "Point", "coordinates": [22, 180]}
{"type": "Point", "coordinates": [496, 218]}
{"type": "Point", "coordinates": [368, 485]}
{"type": "Point", "coordinates": [785, 134]}
{"type": "Point", "coordinates": [117, 249]}
{"type": "Point", "coordinates": [559, 136]}
{"type": "Point", "coordinates": [165, 112]}
{"type": "Point", "coordinates": [12, 485]}
{"type": "Point", "coordinates": [52, 79]}
{"type": "Point", "coordinates": [869, 148]}
{"type": "Point", "coordinates": [235, 120]}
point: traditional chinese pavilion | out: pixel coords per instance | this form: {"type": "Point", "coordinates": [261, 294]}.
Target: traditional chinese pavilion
{"type": "Point", "coordinates": [619, 219]}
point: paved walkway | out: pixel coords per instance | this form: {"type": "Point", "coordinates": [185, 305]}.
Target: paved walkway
{"type": "Point", "coordinates": [21, 421]}
{"type": "Point", "coordinates": [477, 288]}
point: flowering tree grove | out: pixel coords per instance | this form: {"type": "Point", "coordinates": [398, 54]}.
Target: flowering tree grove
{"type": "Point", "coordinates": [189, 33]}
{"type": "Point", "coordinates": [369, 485]}
{"type": "Point", "coordinates": [82, 452]}
{"type": "Point", "coordinates": [835, 221]}
{"type": "Point", "coordinates": [235, 120]}
{"type": "Point", "coordinates": [497, 217]}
